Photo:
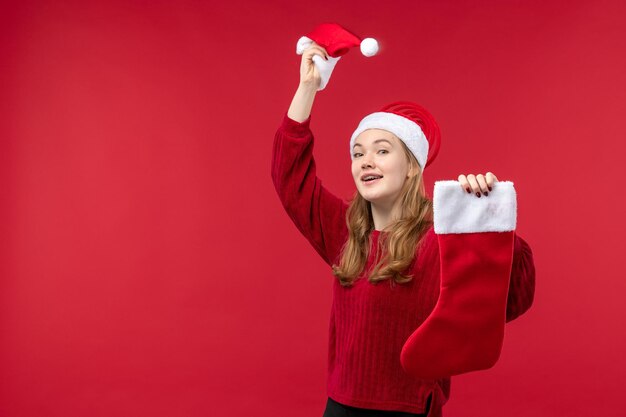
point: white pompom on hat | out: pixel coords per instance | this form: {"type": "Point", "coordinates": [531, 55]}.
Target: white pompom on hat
{"type": "Point", "coordinates": [411, 123]}
{"type": "Point", "coordinates": [337, 41]}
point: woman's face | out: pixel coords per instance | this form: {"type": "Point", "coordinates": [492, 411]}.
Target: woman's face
{"type": "Point", "coordinates": [379, 166]}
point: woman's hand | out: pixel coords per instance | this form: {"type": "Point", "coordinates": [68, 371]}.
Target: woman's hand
{"type": "Point", "coordinates": [309, 74]}
{"type": "Point", "coordinates": [310, 80]}
{"type": "Point", "coordinates": [478, 184]}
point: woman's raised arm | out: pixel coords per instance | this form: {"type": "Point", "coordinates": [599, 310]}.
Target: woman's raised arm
{"type": "Point", "coordinates": [310, 79]}
{"type": "Point", "coordinates": [317, 213]}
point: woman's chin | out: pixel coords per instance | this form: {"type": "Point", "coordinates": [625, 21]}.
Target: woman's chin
{"type": "Point", "coordinates": [373, 198]}
{"type": "Point", "coordinates": [375, 194]}
{"type": "Point", "coordinates": [379, 199]}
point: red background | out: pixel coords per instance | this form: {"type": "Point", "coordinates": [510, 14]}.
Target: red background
{"type": "Point", "coordinates": [147, 266]}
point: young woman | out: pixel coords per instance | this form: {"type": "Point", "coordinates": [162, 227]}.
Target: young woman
{"type": "Point", "coordinates": [383, 253]}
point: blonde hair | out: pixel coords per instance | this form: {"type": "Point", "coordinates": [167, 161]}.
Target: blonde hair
{"type": "Point", "coordinates": [396, 248]}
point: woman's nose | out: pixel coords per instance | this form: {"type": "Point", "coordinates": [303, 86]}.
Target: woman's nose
{"type": "Point", "coordinates": [367, 162]}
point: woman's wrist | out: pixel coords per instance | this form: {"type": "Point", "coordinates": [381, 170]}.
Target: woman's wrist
{"type": "Point", "coordinates": [302, 102]}
{"type": "Point", "coordinates": [308, 87]}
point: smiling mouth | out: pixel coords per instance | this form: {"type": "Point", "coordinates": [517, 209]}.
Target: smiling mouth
{"type": "Point", "coordinates": [370, 178]}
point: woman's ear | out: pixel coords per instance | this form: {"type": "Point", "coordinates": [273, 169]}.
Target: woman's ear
{"type": "Point", "coordinates": [413, 169]}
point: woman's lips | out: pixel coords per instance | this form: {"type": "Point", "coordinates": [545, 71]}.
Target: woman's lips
{"type": "Point", "coordinates": [372, 182]}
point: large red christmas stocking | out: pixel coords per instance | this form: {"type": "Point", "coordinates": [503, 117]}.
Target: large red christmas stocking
{"type": "Point", "coordinates": [465, 330]}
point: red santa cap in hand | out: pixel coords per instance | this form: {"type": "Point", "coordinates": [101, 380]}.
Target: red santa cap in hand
{"type": "Point", "coordinates": [337, 41]}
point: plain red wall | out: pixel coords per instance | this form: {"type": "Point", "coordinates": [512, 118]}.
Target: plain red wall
{"type": "Point", "coordinates": [147, 266]}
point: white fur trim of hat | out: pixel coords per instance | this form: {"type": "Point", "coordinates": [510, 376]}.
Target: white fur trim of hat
{"type": "Point", "coordinates": [406, 130]}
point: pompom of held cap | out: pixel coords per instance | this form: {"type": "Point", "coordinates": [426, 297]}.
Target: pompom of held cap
{"type": "Point", "coordinates": [411, 123]}
{"type": "Point", "coordinates": [369, 47]}
{"type": "Point", "coordinates": [337, 41]}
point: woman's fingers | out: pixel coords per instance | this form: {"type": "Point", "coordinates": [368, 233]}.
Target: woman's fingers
{"type": "Point", "coordinates": [464, 184]}
{"type": "Point", "coordinates": [315, 50]}
{"type": "Point", "coordinates": [307, 56]}
{"type": "Point", "coordinates": [480, 178]}
{"type": "Point", "coordinates": [471, 178]}
{"type": "Point", "coordinates": [478, 184]}
{"type": "Point", "coordinates": [491, 180]}
{"type": "Point", "coordinates": [309, 73]}
{"type": "Point", "coordinates": [321, 48]}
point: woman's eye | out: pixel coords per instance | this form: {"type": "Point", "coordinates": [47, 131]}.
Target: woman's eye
{"type": "Point", "coordinates": [357, 155]}
{"type": "Point", "coordinates": [383, 151]}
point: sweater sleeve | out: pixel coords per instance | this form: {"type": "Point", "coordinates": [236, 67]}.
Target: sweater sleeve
{"type": "Point", "coordinates": [522, 284]}
{"type": "Point", "coordinates": [318, 214]}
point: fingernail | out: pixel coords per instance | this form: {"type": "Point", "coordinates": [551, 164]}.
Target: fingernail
{"type": "Point", "coordinates": [468, 190]}
{"type": "Point", "coordinates": [486, 193]}
{"type": "Point", "coordinates": [478, 195]}
{"type": "Point", "coordinates": [489, 188]}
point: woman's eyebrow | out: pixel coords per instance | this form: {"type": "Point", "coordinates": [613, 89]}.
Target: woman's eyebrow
{"type": "Point", "coordinates": [376, 141]}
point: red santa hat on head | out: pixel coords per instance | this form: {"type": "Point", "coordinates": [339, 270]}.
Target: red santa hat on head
{"type": "Point", "coordinates": [337, 41]}
{"type": "Point", "coordinates": [411, 123]}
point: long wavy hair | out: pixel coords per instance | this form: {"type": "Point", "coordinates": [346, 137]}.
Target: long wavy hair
{"type": "Point", "coordinates": [396, 249]}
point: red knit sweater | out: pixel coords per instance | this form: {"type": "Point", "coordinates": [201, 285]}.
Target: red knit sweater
{"type": "Point", "coordinates": [369, 323]}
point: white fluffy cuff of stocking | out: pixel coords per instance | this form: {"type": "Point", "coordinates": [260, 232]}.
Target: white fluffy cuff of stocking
{"type": "Point", "coordinates": [457, 211]}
